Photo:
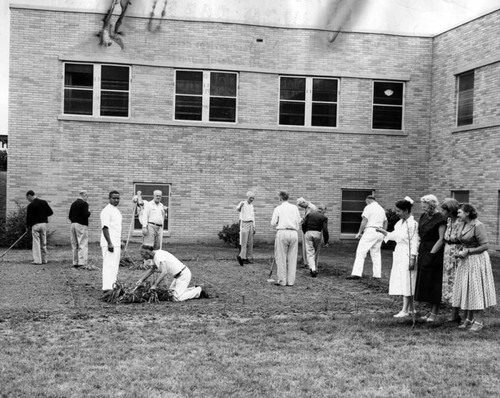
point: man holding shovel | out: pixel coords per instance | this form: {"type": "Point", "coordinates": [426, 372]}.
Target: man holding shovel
{"type": "Point", "coordinates": [152, 218]}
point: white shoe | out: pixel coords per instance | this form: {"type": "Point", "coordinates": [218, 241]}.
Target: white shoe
{"type": "Point", "coordinates": [401, 314]}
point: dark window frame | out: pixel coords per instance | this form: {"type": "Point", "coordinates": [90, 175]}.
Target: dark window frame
{"type": "Point", "coordinates": [351, 209]}
{"type": "Point", "coordinates": [147, 189]}
{"type": "Point", "coordinates": [465, 98]}
{"type": "Point", "coordinates": [385, 105]}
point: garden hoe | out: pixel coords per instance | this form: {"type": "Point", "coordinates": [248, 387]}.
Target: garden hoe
{"type": "Point", "coordinates": [15, 243]}
{"type": "Point", "coordinates": [126, 260]}
{"type": "Point", "coordinates": [271, 271]}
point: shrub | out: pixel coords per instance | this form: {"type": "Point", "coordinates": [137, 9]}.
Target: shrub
{"type": "Point", "coordinates": [230, 234]}
{"type": "Point", "coordinates": [392, 219]}
{"type": "Point", "coordinates": [14, 227]}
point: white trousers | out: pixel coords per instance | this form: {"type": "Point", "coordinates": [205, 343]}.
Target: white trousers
{"type": "Point", "coordinates": [180, 290]}
{"type": "Point", "coordinates": [370, 241]}
{"type": "Point", "coordinates": [79, 243]}
{"type": "Point", "coordinates": [286, 248]}
{"type": "Point", "coordinates": [110, 264]}
{"type": "Point", "coordinates": [313, 241]}
{"type": "Point", "coordinates": [154, 236]}
{"type": "Point", "coordinates": [39, 245]}
{"type": "Point", "coordinates": [246, 239]}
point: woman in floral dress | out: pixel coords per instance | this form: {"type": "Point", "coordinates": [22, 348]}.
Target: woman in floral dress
{"type": "Point", "coordinates": [449, 208]}
{"type": "Point", "coordinates": [474, 288]}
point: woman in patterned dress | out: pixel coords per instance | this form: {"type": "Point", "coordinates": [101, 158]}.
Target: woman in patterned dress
{"type": "Point", "coordinates": [449, 207]}
{"type": "Point", "coordinates": [403, 274]}
{"type": "Point", "coordinates": [431, 228]}
{"type": "Point", "coordinates": [474, 288]}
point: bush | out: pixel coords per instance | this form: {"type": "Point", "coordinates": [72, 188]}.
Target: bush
{"type": "Point", "coordinates": [392, 219]}
{"type": "Point", "coordinates": [230, 234]}
{"type": "Point", "coordinates": [14, 227]}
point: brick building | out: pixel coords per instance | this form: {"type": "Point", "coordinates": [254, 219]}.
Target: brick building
{"type": "Point", "coordinates": [207, 110]}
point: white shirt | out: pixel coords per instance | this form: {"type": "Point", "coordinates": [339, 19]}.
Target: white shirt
{"type": "Point", "coordinates": [246, 212]}
{"type": "Point", "coordinates": [111, 217]}
{"type": "Point", "coordinates": [166, 261]}
{"type": "Point", "coordinates": [154, 213]}
{"type": "Point", "coordinates": [405, 233]}
{"type": "Point", "coordinates": [286, 216]}
{"type": "Point", "coordinates": [375, 214]}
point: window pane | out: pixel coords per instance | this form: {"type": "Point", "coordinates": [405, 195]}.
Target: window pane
{"type": "Point", "coordinates": [387, 117]}
{"type": "Point", "coordinates": [222, 110]}
{"type": "Point", "coordinates": [292, 113]}
{"type": "Point", "coordinates": [115, 78]}
{"type": "Point", "coordinates": [292, 88]}
{"type": "Point", "coordinates": [187, 107]}
{"type": "Point", "coordinates": [324, 115]}
{"type": "Point", "coordinates": [223, 84]}
{"type": "Point", "coordinates": [189, 83]}
{"type": "Point", "coordinates": [353, 203]}
{"type": "Point", "coordinates": [324, 90]}
{"type": "Point", "coordinates": [78, 102]}
{"type": "Point", "coordinates": [461, 196]}
{"type": "Point", "coordinates": [356, 195]}
{"type": "Point", "coordinates": [114, 103]}
{"type": "Point", "coordinates": [349, 227]}
{"type": "Point", "coordinates": [387, 93]}
{"type": "Point", "coordinates": [466, 81]}
{"type": "Point", "coordinates": [79, 76]}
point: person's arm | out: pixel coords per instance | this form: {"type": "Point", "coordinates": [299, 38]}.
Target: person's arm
{"type": "Point", "coordinates": [240, 205]}
{"type": "Point", "coordinates": [144, 217]}
{"type": "Point", "coordinates": [48, 209]}
{"type": "Point", "coordinates": [482, 239]}
{"type": "Point", "coordinates": [364, 221]}
{"type": "Point", "coordinates": [145, 276]}
{"type": "Point", "coordinates": [305, 223]}
{"type": "Point", "coordinates": [440, 242]}
{"type": "Point", "coordinates": [105, 232]}
{"type": "Point", "coordinates": [275, 218]}
{"type": "Point", "coordinates": [86, 209]}
{"type": "Point", "coordinates": [163, 274]}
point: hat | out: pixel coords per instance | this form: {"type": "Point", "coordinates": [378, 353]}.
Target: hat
{"type": "Point", "coordinates": [372, 197]}
{"type": "Point", "coordinates": [300, 200]}
{"type": "Point", "coordinates": [250, 194]}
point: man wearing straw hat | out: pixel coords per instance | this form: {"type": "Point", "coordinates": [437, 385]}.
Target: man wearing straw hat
{"type": "Point", "coordinates": [247, 229]}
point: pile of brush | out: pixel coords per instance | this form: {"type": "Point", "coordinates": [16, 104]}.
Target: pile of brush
{"type": "Point", "coordinates": [142, 293]}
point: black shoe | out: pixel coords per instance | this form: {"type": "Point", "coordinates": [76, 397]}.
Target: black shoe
{"type": "Point", "coordinates": [240, 260]}
{"type": "Point", "coordinates": [203, 293]}
{"type": "Point", "coordinates": [353, 277]}
{"type": "Point", "coordinates": [314, 274]}
{"type": "Point", "coordinates": [246, 261]}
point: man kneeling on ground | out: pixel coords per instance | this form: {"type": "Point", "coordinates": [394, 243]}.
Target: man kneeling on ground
{"type": "Point", "coordinates": [167, 264]}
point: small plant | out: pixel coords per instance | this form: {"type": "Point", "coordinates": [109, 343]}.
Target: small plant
{"type": "Point", "coordinates": [14, 227]}
{"type": "Point", "coordinates": [230, 234]}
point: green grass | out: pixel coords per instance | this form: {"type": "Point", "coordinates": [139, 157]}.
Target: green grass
{"type": "Point", "coordinates": [324, 337]}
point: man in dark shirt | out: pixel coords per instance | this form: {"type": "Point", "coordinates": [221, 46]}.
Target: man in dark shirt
{"type": "Point", "coordinates": [37, 217]}
{"type": "Point", "coordinates": [313, 225]}
{"type": "Point", "coordinates": [79, 216]}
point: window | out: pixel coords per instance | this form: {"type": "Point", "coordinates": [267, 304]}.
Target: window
{"type": "Point", "coordinates": [205, 96]}
{"type": "Point", "coordinates": [308, 101]}
{"type": "Point", "coordinates": [353, 203]}
{"type": "Point", "coordinates": [465, 98]}
{"type": "Point", "coordinates": [96, 90]}
{"type": "Point", "coordinates": [388, 105]}
{"type": "Point", "coordinates": [460, 196]}
{"type": "Point", "coordinates": [147, 190]}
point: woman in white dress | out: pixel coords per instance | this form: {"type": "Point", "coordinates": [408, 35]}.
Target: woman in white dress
{"type": "Point", "coordinates": [403, 273]}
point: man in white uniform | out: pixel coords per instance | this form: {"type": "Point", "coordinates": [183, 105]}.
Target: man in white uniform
{"type": "Point", "coordinates": [168, 265]}
{"type": "Point", "coordinates": [373, 217]}
{"type": "Point", "coordinates": [247, 229]}
{"type": "Point", "coordinates": [111, 222]}
{"type": "Point", "coordinates": [286, 219]}
{"type": "Point", "coordinates": [152, 218]}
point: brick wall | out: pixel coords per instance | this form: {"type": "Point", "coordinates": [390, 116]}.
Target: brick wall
{"type": "Point", "coordinates": [468, 158]}
{"type": "Point", "coordinates": [209, 166]}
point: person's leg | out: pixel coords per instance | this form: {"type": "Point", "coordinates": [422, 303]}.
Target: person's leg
{"type": "Point", "coordinates": [110, 264]}
{"type": "Point", "coordinates": [361, 252]}
{"type": "Point", "coordinates": [376, 256]}
{"type": "Point", "coordinates": [310, 253]}
{"type": "Point", "coordinates": [43, 243]}
{"type": "Point", "coordinates": [83, 245]}
{"type": "Point", "coordinates": [35, 247]}
{"type": "Point", "coordinates": [181, 291]}
{"type": "Point", "coordinates": [293, 249]}
{"type": "Point", "coordinates": [74, 243]}
{"type": "Point", "coordinates": [250, 242]}
{"type": "Point", "coordinates": [280, 255]}
{"type": "Point", "coordinates": [244, 235]}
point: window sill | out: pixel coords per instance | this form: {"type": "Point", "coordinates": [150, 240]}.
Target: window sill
{"type": "Point", "coordinates": [471, 127]}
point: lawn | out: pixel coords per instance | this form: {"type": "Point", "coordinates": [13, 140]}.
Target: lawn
{"type": "Point", "coordinates": [324, 337]}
